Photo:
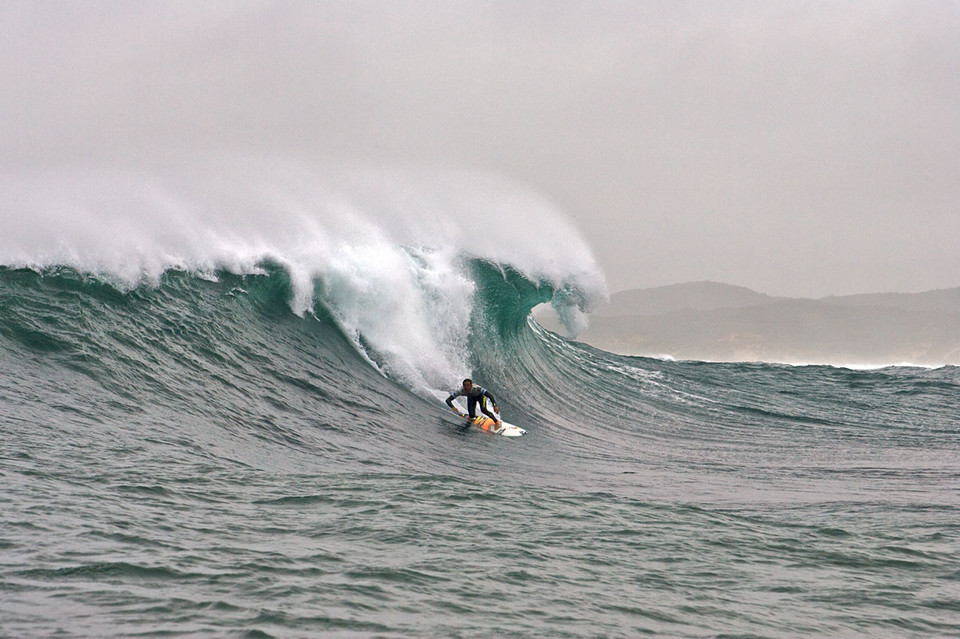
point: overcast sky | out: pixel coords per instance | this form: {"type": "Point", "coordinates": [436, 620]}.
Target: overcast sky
{"type": "Point", "coordinates": [798, 148]}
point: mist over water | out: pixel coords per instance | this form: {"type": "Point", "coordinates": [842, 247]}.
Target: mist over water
{"type": "Point", "coordinates": [799, 150]}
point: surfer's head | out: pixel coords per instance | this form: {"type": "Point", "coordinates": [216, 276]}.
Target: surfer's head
{"type": "Point", "coordinates": [467, 384]}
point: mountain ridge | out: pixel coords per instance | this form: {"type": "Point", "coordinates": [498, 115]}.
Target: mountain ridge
{"type": "Point", "coordinates": [720, 322]}
{"type": "Point", "coordinates": [704, 295]}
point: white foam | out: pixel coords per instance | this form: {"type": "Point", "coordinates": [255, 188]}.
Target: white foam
{"type": "Point", "coordinates": [389, 246]}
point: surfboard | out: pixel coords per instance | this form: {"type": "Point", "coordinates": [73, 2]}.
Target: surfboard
{"type": "Point", "coordinates": [489, 425]}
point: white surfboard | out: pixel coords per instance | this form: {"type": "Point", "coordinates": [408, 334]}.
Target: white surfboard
{"type": "Point", "coordinates": [503, 428]}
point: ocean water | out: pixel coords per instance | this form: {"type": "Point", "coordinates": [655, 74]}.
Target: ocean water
{"type": "Point", "coordinates": [222, 416]}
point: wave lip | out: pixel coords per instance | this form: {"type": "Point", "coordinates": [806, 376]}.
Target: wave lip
{"type": "Point", "coordinates": [389, 254]}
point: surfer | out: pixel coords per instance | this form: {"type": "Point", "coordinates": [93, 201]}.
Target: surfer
{"type": "Point", "coordinates": [475, 395]}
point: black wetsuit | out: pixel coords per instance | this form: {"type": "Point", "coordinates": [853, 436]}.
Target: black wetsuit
{"type": "Point", "coordinates": [475, 395]}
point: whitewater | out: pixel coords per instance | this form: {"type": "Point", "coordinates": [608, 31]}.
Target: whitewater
{"type": "Point", "coordinates": [222, 415]}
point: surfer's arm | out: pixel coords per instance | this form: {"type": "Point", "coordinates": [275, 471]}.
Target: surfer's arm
{"type": "Point", "coordinates": [450, 399]}
{"type": "Point", "coordinates": [492, 401]}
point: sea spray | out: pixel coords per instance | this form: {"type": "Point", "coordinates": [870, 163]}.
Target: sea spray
{"type": "Point", "coordinates": [386, 252]}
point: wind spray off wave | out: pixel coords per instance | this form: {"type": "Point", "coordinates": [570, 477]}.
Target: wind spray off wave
{"type": "Point", "coordinates": [387, 253]}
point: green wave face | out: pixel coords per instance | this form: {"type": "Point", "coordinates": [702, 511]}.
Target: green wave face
{"type": "Point", "coordinates": [188, 353]}
{"type": "Point", "coordinates": [224, 362]}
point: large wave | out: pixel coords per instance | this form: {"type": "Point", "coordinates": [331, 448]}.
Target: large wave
{"type": "Point", "coordinates": [392, 255]}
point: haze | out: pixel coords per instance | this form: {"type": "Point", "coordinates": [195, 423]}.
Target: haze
{"type": "Point", "coordinates": [794, 148]}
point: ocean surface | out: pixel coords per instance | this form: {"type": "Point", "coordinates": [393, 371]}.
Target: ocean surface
{"type": "Point", "coordinates": [221, 415]}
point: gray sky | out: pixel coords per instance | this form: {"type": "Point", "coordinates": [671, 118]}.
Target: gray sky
{"type": "Point", "coordinates": [798, 148]}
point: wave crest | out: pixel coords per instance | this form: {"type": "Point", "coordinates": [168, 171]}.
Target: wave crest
{"type": "Point", "coordinates": [391, 255]}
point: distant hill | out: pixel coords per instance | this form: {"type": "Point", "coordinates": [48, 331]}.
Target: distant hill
{"type": "Point", "coordinates": [946, 299]}
{"type": "Point", "coordinates": [693, 295]}
{"type": "Point", "coordinates": [717, 322]}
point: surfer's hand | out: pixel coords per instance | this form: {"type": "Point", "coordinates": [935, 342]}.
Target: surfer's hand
{"type": "Point", "coordinates": [496, 410]}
